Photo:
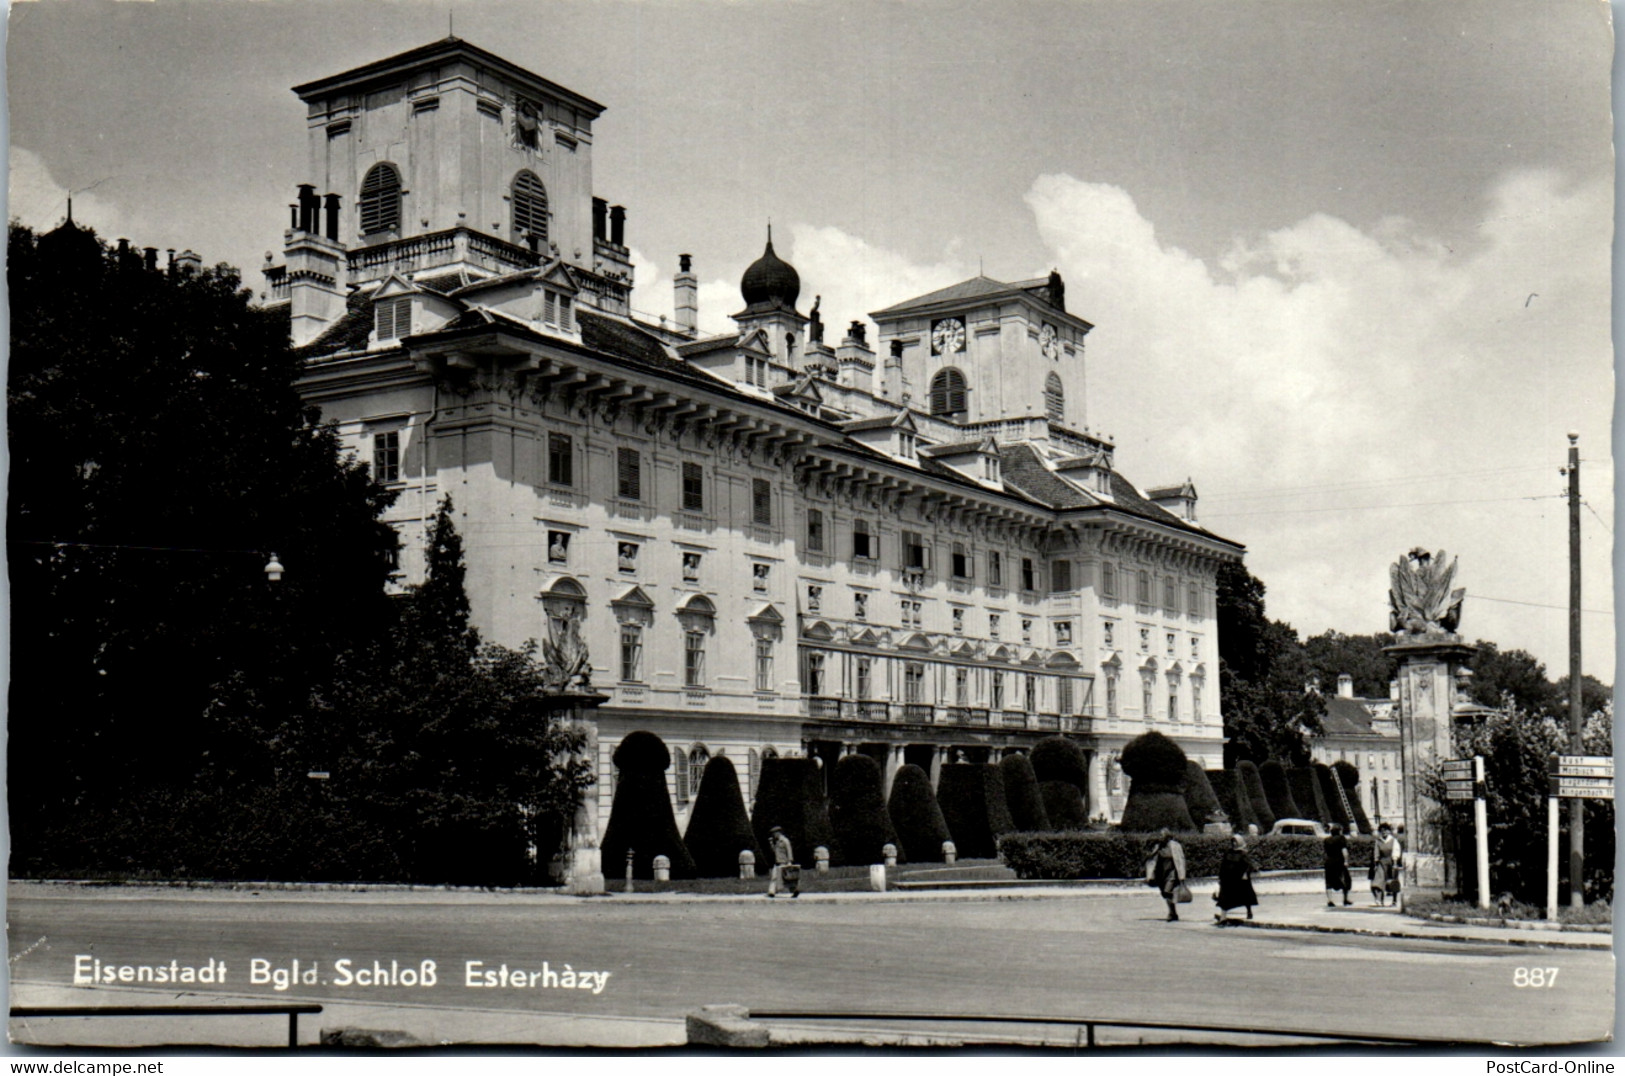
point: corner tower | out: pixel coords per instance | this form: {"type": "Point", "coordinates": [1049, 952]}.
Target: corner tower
{"type": "Point", "coordinates": [446, 157]}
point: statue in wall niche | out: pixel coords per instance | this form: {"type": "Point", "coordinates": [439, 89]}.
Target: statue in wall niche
{"type": "Point", "coordinates": [1420, 600]}
{"type": "Point", "coordinates": [815, 326]}
{"type": "Point", "coordinates": [564, 657]}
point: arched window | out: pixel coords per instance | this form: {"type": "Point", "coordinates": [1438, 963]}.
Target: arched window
{"type": "Point", "coordinates": [698, 756]}
{"type": "Point", "coordinates": [380, 200]}
{"type": "Point", "coordinates": [1054, 399]}
{"type": "Point", "coordinates": [948, 393]}
{"type": "Point", "coordinates": [529, 210]}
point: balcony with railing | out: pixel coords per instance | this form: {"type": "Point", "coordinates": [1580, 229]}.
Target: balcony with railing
{"type": "Point", "coordinates": [823, 706]}
{"type": "Point", "coordinates": [870, 710]}
{"type": "Point", "coordinates": [917, 712]}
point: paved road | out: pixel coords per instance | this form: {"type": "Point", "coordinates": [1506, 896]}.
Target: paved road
{"type": "Point", "coordinates": [1108, 956]}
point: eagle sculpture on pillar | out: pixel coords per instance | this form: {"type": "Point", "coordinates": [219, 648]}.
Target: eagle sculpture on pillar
{"type": "Point", "coordinates": [1420, 601]}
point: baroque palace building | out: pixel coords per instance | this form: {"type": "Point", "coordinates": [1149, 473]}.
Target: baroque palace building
{"type": "Point", "coordinates": [910, 547]}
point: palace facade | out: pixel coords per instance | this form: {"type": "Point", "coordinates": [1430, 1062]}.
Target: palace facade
{"type": "Point", "coordinates": [905, 543]}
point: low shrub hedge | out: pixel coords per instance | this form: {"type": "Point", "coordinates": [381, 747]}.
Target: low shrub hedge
{"type": "Point", "coordinates": [1123, 855]}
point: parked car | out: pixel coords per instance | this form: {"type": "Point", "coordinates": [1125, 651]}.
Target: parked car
{"type": "Point", "coordinates": [1299, 827]}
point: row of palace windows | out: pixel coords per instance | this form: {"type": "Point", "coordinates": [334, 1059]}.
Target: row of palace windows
{"type": "Point", "coordinates": [1115, 584]}
{"type": "Point", "coordinates": [941, 684]}
{"type": "Point", "coordinates": [689, 768]}
{"type": "Point", "coordinates": [1148, 696]}
{"type": "Point", "coordinates": [379, 205]}
{"type": "Point", "coordinates": [629, 484]}
{"type": "Point", "coordinates": [1108, 639]}
{"type": "Point", "coordinates": [949, 396]}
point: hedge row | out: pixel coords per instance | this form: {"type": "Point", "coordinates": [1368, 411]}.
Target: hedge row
{"type": "Point", "coordinates": [1123, 855]}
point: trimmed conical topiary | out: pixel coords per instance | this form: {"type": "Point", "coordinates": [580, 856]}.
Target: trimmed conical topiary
{"type": "Point", "coordinates": [1056, 758]}
{"type": "Point", "coordinates": [1021, 794]}
{"type": "Point", "coordinates": [1063, 805]}
{"type": "Point", "coordinates": [790, 794]}
{"type": "Point", "coordinates": [1157, 769]}
{"type": "Point", "coordinates": [857, 811]}
{"type": "Point", "coordinates": [1348, 775]}
{"type": "Point", "coordinates": [1278, 792]}
{"type": "Point", "coordinates": [1301, 780]}
{"type": "Point", "coordinates": [640, 817]}
{"type": "Point", "coordinates": [1199, 798]}
{"type": "Point", "coordinates": [1251, 784]}
{"type": "Point", "coordinates": [718, 827]}
{"type": "Point", "coordinates": [916, 815]}
{"type": "Point", "coordinates": [1227, 789]}
{"type": "Point", "coordinates": [972, 800]}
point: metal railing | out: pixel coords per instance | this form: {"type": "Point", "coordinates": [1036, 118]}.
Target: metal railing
{"type": "Point", "coordinates": [1090, 1024]}
{"type": "Point", "coordinates": [291, 1011]}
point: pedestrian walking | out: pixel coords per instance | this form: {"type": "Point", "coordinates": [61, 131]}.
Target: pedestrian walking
{"type": "Point", "coordinates": [1337, 867]}
{"type": "Point", "coordinates": [1387, 857]}
{"type": "Point", "coordinates": [1166, 870]}
{"type": "Point", "coordinates": [784, 865]}
{"type": "Point", "coordinates": [1236, 871]}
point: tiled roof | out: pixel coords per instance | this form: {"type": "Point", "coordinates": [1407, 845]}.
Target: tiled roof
{"type": "Point", "coordinates": [709, 343]}
{"type": "Point", "coordinates": [443, 283]}
{"type": "Point", "coordinates": [1346, 717]}
{"type": "Point", "coordinates": [1021, 467]}
{"type": "Point", "coordinates": [958, 448]}
{"type": "Point", "coordinates": [965, 289]}
{"type": "Point", "coordinates": [629, 342]}
{"type": "Point", "coordinates": [348, 333]}
{"type": "Point", "coordinates": [879, 422]}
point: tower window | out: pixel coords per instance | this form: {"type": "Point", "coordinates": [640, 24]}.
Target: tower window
{"type": "Point", "coordinates": [380, 200]}
{"type": "Point", "coordinates": [948, 394]}
{"type": "Point", "coordinates": [529, 210]}
{"type": "Point", "coordinates": [1054, 399]}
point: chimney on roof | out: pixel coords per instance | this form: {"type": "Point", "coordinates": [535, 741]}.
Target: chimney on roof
{"type": "Point", "coordinates": [332, 206]}
{"type": "Point", "coordinates": [1345, 686]}
{"type": "Point", "coordinates": [188, 261]}
{"type": "Point", "coordinates": [617, 225]}
{"type": "Point", "coordinates": [309, 205]}
{"type": "Point", "coordinates": [854, 362]}
{"type": "Point", "coordinates": [687, 287]}
{"type": "Point", "coordinates": [600, 209]}
{"type": "Point", "coordinates": [150, 262]}
{"type": "Point", "coordinates": [171, 267]}
{"type": "Point", "coordinates": [891, 374]}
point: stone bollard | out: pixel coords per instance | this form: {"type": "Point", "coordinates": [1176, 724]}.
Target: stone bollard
{"type": "Point", "coordinates": [747, 864]}
{"type": "Point", "coordinates": [821, 859]}
{"type": "Point", "coordinates": [629, 870]}
{"type": "Point", "coordinates": [950, 854]}
{"type": "Point", "coordinates": [890, 852]}
{"type": "Point", "coordinates": [877, 877]}
{"type": "Point", "coordinates": [662, 869]}
{"type": "Point", "coordinates": [1252, 829]}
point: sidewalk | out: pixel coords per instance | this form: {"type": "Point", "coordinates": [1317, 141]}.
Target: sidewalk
{"type": "Point", "coordinates": [1312, 915]}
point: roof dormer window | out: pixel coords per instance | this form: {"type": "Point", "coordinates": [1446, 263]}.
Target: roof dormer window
{"type": "Point", "coordinates": [556, 310]}
{"type": "Point", "coordinates": [393, 318]}
{"type": "Point", "coordinates": [906, 444]}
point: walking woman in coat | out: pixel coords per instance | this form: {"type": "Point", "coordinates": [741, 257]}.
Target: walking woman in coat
{"type": "Point", "coordinates": [1235, 881]}
{"type": "Point", "coordinates": [1337, 867]}
{"type": "Point", "coordinates": [1167, 871]}
{"type": "Point", "coordinates": [1387, 859]}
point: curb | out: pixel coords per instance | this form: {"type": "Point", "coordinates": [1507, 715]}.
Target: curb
{"type": "Point", "coordinates": [1519, 924]}
{"type": "Point", "coordinates": [1534, 943]}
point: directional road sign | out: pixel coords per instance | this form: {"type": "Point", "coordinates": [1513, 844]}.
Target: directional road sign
{"type": "Point", "coordinates": [1585, 766]}
{"type": "Point", "coordinates": [1566, 788]}
{"type": "Point", "coordinates": [1457, 767]}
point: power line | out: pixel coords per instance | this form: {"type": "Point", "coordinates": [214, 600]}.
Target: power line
{"type": "Point", "coordinates": [1537, 605]}
{"type": "Point", "coordinates": [1266, 491]}
{"type": "Point", "coordinates": [1375, 507]}
{"type": "Point", "coordinates": [1600, 520]}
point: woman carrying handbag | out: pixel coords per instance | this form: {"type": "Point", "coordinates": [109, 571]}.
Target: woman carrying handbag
{"type": "Point", "coordinates": [1166, 871]}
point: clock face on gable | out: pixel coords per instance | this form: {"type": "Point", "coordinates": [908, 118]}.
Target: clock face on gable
{"type": "Point", "coordinates": [947, 336]}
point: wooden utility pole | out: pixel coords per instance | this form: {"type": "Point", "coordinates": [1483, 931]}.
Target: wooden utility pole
{"type": "Point", "coordinates": [1576, 705]}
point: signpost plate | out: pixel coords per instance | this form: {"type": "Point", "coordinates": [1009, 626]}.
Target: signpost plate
{"type": "Point", "coordinates": [1585, 766]}
{"type": "Point", "coordinates": [1586, 788]}
{"type": "Point", "coordinates": [1457, 767]}
{"type": "Point", "coordinates": [1457, 793]}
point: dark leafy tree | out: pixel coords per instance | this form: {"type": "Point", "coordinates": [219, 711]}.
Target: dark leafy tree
{"type": "Point", "coordinates": [1251, 784]}
{"type": "Point", "coordinates": [640, 817]}
{"type": "Point", "coordinates": [718, 827]}
{"type": "Point", "coordinates": [1264, 676]}
{"type": "Point", "coordinates": [1021, 794]}
{"type": "Point", "coordinates": [916, 815]}
{"type": "Point", "coordinates": [158, 454]}
{"type": "Point", "coordinates": [1157, 769]}
{"type": "Point", "coordinates": [1278, 791]}
{"type": "Point", "coordinates": [857, 812]}
{"type": "Point", "coordinates": [1199, 796]}
{"type": "Point", "coordinates": [1332, 654]}
{"type": "Point", "coordinates": [790, 795]}
{"type": "Point", "coordinates": [973, 804]}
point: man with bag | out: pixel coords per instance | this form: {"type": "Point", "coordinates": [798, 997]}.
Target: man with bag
{"type": "Point", "coordinates": [1166, 870]}
{"type": "Point", "coordinates": [784, 865]}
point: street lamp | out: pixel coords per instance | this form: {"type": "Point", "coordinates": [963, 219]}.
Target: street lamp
{"type": "Point", "coordinates": [274, 569]}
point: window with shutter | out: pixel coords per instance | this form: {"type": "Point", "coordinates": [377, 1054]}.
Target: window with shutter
{"type": "Point", "coordinates": [629, 474]}
{"type": "Point", "coordinates": [394, 318]}
{"type": "Point", "coordinates": [1054, 399]}
{"type": "Point", "coordinates": [529, 211]}
{"type": "Point", "coordinates": [693, 488]}
{"type": "Point", "coordinates": [380, 201]}
{"type": "Point", "coordinates": [1061, 576]}
{"type": "Point", "coordinates": [815, 530]}
{"type": "Point", "coordinates": [761, 502]}
{"type": "Point", "coordinates": [948, 394]}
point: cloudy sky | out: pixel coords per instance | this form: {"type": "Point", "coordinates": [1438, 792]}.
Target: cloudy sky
{"type": "Point", "coordinates": [1348, 262]}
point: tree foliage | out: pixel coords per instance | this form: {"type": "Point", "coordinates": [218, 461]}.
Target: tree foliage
{"type": "Point", "coordinates": [857, 812]}
{"type": "Point", "coordinates": [718, 827]}
{"type": "Point", "coordinates": [641, 822]}
{"type": "Point", "coordinates": [1332, 654]}
{"type": "Point", "coordinates": [916, 815]}
{"type": "Point", "coordinates": [1021, 794]}
{"type": "Point", "coordinates": [1264, 676]}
